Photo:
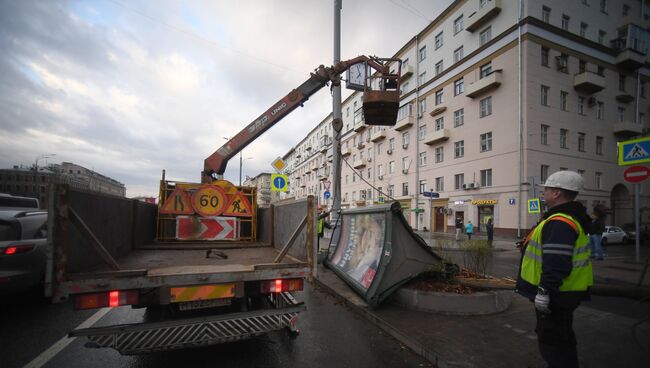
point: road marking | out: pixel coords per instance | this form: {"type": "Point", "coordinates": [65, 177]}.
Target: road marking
{"type": "Point", "coordinates": [50, 353]}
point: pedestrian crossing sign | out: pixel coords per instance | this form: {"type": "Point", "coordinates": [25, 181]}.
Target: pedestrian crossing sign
{"type": "Point", "coordinates": [634, 152]}
{"type": "Point", "coordinates": [534, 205]}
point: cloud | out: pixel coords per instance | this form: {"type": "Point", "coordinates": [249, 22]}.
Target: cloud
{"type": "Point", "coordinates": [131, 88]}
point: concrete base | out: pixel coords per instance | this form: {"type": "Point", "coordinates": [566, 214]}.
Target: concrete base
{"type": "Point", "coordinates": [479, 303]}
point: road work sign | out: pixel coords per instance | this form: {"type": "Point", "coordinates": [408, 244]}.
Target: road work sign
{"type": "Point", "coordinates": [635, 151]}
{"type": "Point", "coordinates": [534, 205]}
{"type": "Point", "coordinates": [239, 206]}
{"type": "Point", "coordinates": [209, 200]}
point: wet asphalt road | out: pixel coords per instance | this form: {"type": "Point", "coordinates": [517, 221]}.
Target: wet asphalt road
{"type": "Point", "coordinates": [331, 336]}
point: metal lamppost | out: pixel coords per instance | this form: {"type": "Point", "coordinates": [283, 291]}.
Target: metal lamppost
{"type": "Point", "coordinates": [241, 162]}
{"type": "Point", "coordinates": [40, 157]}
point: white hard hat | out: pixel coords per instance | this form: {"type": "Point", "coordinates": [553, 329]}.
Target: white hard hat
{"type": "Point", "coordinates": [569, 180]}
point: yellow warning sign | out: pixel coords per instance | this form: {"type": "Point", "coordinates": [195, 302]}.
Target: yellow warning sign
{"type": "Point", "coordinates": [177, 203]}
{"type": "Point", "coordinates": [239, 206]}
{"type": "Point", "coordinates": [209, 200]}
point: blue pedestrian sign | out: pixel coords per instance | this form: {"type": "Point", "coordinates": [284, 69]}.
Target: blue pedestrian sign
{"type": "Point", "coordinates": [633, 152]}
{"type": "Point", "coordinates": [327, 194]}
{"type": "Point", "coordinates": [279, 183]}
{"type": "Point", "coordinates": [534, 205]}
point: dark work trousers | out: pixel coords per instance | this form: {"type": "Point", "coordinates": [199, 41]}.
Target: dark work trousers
{"type": "Point", "coordinates": [555, 336]}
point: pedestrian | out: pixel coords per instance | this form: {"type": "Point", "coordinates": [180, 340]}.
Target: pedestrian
{"type": "Point", "coordinates": [469, 229]}
{"type": "Point", "coordinates": [489, 227]}
{"type": "Point", "coordinates": [322, 224]}
{"type": "Point", "coordinates": [596, 233]}
{"type": "Point", "coordinates": [459, 227]}
{"type": "Point", "coordinates": [555, 271]}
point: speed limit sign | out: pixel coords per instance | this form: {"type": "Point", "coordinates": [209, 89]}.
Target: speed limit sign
{"type": "Point", "coordinates": [209, 200]}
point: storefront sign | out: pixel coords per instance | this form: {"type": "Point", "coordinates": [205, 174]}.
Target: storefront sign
{"type": "Point", "coordinates": [480, 202]}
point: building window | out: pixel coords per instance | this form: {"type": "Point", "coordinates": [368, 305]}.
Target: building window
{"type": "Point", "coordinates": [583, 29]}
{"type": "Point", "coordinates": [380, 170]}
{"type": "Point", "coordinates": [440, 184]}
{"type": "Point", "coordinates": [544, 95]}
{"type": "Point", "coordinates": [599, 184]}
{"type": "Point", "coordinates": [601, 70]}
{"type": "Point", "coordinates": [404, 88]}
{"type": "Point", "coordinates": [545, 52]}
{"type": "Point", "coordinates": [405, 163]}
{"type": "Point", "coordinates": [439, 67]}
{"type": "Point", "coordinates": [626, 10]}
{"type": "Point", "coordinates": [422, 107]}
{"type": "Point", "coordinates": [482, 3]}
{"type": "Point", "coordinates": [391, 190]}
{"type": "Point", "coordinates": [459, 180]}
{"type": "Point", "coordinates": [405, 189]}
{"type": "Point", "coordinates": [600, 110]}
{"type": "Point", "coordinates": [458, 24]}
{"type": "Point", "coordinates": [544, 135]}
{"type": "Point", "coordinates": [391, 167]}
{"type": "Point", "coordinates": [543, 174]}
{"type": "Point", "coordinates": [440, 123]}
{"type": "Point", "coordinates": [581, 105]}
{"type": "Point", "coordinates": [422, 132]}
{"type": "Point", "coordinates": [391, 144]}
{"type": "Point", "coordinates": [422, 54]}
{"type": "Point", "coordinates": [486, 142]}
{"type": "Point", "coordinates": [582, 66]}
{"type": "Point", "coordinates": [563, 137]}
{"type": "Point", "coordinates": [546, 14]}
{"type": "Point", "coordinates": [564, 96]}
{"type": "Point", "coordinates": [405, 139]}
{"type": "Point", "coordinates": [565, 22]}
{"type": "Point", "coordinates": [459, 117]}
{"type": "Point", "coordinates": [440, 154]}
{"type": "Point", "coordinates": [563, 63]}
{"type": "Point", "coordinates": [581, 142]}
{"type": "Point", "coordinates": [621, 114]}
{"type": "Point", "coordinates": [485, 36]}
{"type": "Point", "coordinates": [603, 6]}
{"type": "Point", "coordinates": [601, 37]}
{"type": "Point", "coordinates": [439, 98]}
{"type": "Point", "coordinates": [621, 82]}
{"type": "Point", "coordinates": [459, 149]}
{"type": "Point", "coordinates": [642, 89]}
{"type": "Point", "coordinates": [486, 178]}
{"type": "Point", "coordinates": [423, 158]}
{"type": "Point", "coordinates": [423, 186]}
{"type": "Point", "coordinates": [486, 106]}
{"type": "Point", "coordinates": [486, 69]}
{"type": "Point", "coordinates": [458, 54]}
{"type": "Point", "coordinates": [599, 145]}
{"type": "Point", "coordinates": [422, 78]}
{"type": "Point", "coordinates": [438, 40]}
{"type": "Point", "coordinates": [459, 87]}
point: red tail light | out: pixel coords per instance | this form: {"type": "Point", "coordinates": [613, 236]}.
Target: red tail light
{"type": "Point", "coordinates": [17, 249]}
{"type": "Point", "coordinates": [111, 299]}
{"type": "Point", "coordinates": [281, 285]}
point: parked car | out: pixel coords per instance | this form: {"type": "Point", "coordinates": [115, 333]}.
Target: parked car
{"type": "Point", "coordinates": [614, 235]}
{"type": "Point", "coordinates": [630, 229]}
{"type": "Point", "coordinates": [23, 239]}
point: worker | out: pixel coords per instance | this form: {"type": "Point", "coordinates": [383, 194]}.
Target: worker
{"type": "Point", "coordinates": [555, 271]}
{"type": "Point", "coordinates": [322, 224]}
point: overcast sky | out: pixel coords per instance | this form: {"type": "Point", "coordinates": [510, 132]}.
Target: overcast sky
{"type": "Point", "coordinates": [129, 88]}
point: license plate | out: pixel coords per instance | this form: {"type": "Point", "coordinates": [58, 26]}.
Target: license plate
{"type": "Point", "coordinates": [203, 292]}
{"type": "Point", "coordinates": [200, 304]}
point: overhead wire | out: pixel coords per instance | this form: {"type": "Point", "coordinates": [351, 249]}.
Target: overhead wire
{"type": "Point", "coordinates": [354, 171]}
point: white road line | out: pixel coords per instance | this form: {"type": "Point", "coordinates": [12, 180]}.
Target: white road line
{"type": "Point", "coordinates": [48, 354]}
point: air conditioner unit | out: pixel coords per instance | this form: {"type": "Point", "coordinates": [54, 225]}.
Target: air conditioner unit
{"type": "Point", "coordinates": [471, 185]}
{"type": "Point", "coordinates": [368, 138]}
{"type": "Point", "coordinates": [380, 177]}
{"type": "Point", "coordinates": [465, 186]}
{"type": "Point", "coordinates": [369, 159]}
{"type": "Point", "coordinates": [591, 101]}
{"type": "Point", "coordinates": [405, 171]}
{"type": "Point", "coordinates": [360, 145]}
{"type": "Point", "coordinates": [390, 151]}
{"type": "Point", "coordinates": [405, 146]}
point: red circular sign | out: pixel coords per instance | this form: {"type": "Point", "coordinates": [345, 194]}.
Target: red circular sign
{"type": "Point", "coordinates": [209, 200]}
{"type": "Point", "coordinates": [636, 174]}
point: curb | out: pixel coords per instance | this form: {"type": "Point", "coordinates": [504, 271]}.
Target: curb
{"type": "Point", "coordinates": [475, 304]}
{"type": "Point", "coordinates": [415, 346]}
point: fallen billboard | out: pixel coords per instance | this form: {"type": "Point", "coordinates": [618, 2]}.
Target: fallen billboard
{"type": "Point", "coordinates": [376, 251]}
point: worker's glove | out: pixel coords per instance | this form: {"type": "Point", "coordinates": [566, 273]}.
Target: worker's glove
{"type": "Point", "coordinates": [542, 300]}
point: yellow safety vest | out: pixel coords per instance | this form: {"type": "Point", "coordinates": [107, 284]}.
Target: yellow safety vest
{"type": "Point", "coordinates": [321, 222]}
{"type": "Point", "coordinates": [581, 276]}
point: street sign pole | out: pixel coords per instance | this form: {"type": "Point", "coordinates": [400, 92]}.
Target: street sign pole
{"type": "Point", "coordinates": [636, 221]}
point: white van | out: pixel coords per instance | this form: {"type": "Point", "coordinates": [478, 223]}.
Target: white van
{"type": "Point", "coordinates": [11, 201]}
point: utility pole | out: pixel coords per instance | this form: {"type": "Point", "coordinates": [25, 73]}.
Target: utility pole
{"type": "Point", "coordinates": [337, 116]}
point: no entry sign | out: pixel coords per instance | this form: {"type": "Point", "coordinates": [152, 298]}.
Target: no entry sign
{"type": "Point", "coordinates": [636, 174]}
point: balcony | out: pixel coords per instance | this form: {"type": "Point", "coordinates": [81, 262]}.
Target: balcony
{"type": "Point", "coordinates": [624, 97]}
{"type": "Point", "coordinates": [378, 135]}
{"type": "Point", "coordinates": [630, 59]}
{"type": "Point", "coordinates": [359, 125]}
{"type": "Point", "coordinates": [485, 84]}
{"type": "Point", "coordinates": [345, 151]}
{"type": "Point", "coordinates": [588, 82]}
{"type": "Point", "coordinates": [438, 110]}
{"type": "Point", "coordinates": [360, 163]}
{"type": "Point", "coordinates": [436, 137]}
{"type": "Point", "coordinates": [405, 123]}
{"type": "Point", "coordinates": [407, 72]}
{"type": "Point", "coordinates": [627, 129]}
{"type": "Point", "coordinates": [483, 15]}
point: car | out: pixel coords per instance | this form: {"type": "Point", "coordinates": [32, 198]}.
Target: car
{"type": "Point", "coordinates": [23, 241]}
{"type": "Point", "coordinates": [614, 235]}
{"type": "Point", "coordinates": [630, 229]}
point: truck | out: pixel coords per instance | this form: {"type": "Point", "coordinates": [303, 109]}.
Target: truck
{"type": "Point", "coordinates": [208, 265]}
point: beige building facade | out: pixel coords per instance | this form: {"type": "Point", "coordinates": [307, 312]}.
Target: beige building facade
{"type": "Point", "coordinates": [491, 104]}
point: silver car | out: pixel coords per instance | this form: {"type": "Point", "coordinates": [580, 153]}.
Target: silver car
{"type": "Point", "coordinates": [23, 238]}
{"type": "Point", "coordinates": [614, 235]}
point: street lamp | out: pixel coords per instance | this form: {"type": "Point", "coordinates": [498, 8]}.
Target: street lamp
{"type": "Point", "coordinates": [40, 157]}
{"type": "Point", "coordinates": [241, 161]}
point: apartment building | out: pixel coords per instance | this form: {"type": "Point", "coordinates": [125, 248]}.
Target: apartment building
{"type": "Point", "coordinates": [265, 196]}
{"type": "Point", "coordinates": [492, 102]}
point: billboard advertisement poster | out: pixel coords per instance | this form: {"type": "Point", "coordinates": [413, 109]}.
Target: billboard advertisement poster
{"type": "Point", "coordinates": [359, 251]}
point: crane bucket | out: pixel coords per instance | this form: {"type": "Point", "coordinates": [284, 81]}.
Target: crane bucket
{"type": "Point", "coordinates": [380, 107]}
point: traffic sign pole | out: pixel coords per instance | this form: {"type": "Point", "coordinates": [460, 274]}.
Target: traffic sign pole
{"type": "Point", "coordinates": [636, 221]}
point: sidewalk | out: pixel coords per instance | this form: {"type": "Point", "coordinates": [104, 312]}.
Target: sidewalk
{"type": "Point", "coordinates": [508, 339]}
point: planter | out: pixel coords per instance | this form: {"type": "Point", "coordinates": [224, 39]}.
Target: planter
{"type": "Point", "coordinates": [478, 303]}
